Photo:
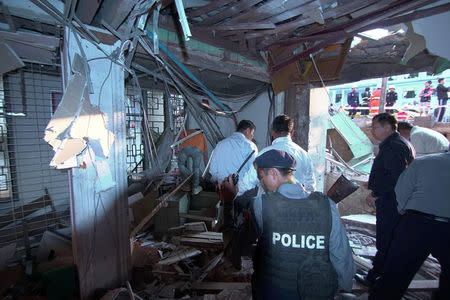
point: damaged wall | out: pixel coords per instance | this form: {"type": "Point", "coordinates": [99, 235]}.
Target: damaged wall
{"type": "Point", "coordinates": [99, 207]}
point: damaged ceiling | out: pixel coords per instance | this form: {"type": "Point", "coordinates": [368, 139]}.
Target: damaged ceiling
{"type": "Point", "coordinates": [233, 47]}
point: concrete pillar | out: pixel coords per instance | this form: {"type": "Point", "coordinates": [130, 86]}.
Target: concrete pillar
{"type": "Point", "coordinates": [98, 204]}
{"type": "Point", "coordinates": [308, 107]}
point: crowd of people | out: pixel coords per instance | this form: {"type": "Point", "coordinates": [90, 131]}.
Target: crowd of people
{"type": "Point", "coordinates": [371, 100]}
{"type": "Point", "coordinates": [302, 250]}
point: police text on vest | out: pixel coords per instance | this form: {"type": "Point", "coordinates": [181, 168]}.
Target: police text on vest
{"type": "Point", "coordinates": [305, 241]}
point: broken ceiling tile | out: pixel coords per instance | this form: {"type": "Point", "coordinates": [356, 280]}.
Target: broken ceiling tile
{"type": "Point", "coordinates": [9, 60]}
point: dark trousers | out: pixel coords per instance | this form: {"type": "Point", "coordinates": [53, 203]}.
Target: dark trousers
{"type": "Point", "coordinates": [414, 239]}
{"type": "Point", "coordinates": [387, 216]}
{"type": "Point", "coordinates": [441, 110]}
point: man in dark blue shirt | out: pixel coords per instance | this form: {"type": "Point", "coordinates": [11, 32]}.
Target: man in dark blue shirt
{"type": "Point", "coordinates": [353, 100]}
{"type": "Point", "coordinates": [395, 154]}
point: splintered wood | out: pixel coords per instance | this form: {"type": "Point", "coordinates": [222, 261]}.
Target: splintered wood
{"type": "Point", "coordinates": [203, 240]}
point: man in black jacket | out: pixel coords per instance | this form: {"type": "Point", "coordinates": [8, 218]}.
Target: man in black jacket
{"type": "Point", "coordinates": [391, 98]}
{"type": "Point", "coordinates": [442, 95]}
{"type": "Point", "coordinates": [353, 100]}
{"type": "Point", "coordinates": [395, 154]}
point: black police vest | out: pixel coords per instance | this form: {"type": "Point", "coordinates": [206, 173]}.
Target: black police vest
{"type": "Point", "coordinates": [293, 252]}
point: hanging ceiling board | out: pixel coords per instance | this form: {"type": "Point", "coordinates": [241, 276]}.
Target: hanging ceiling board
{"type": "Point", "coordinates": [9, 60]}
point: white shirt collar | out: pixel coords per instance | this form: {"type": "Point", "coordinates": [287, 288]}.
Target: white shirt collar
{"type": "Point", "coordinates": [282, 139]}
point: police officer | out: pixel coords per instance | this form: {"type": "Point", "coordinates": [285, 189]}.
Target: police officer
{"type": "Point", "coordinates": [391, 98]}
{"type": "Point", "coordinates": [353, 100]}
{"type": "Point", "coordinates": [302, 251]}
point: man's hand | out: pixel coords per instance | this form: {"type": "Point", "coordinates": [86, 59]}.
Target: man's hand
{"type": "Point", "coordinates": [228, 190]}
{"type": "Point", "coordinates": [371, 200]}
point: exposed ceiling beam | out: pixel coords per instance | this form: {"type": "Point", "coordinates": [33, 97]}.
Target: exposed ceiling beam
{"type": "Point", "coordinates": [221, 63]}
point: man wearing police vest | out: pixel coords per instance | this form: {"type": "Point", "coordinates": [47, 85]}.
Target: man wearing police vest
{"type": "Point", "coordinates": [302, 251]}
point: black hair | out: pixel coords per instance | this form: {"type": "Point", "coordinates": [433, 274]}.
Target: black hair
{"type": "Point", "coordinates": [385, 118]}
{"type": "Point", "coordinates": [404, 126]}
{"type": "Point", "coordinates": [440, 79]}
{"type": "Point", "coordinates": [244, 124]}
{"type": "Point", "coordinates": [429, 81]}
{"type": "Point", "coordinates": [367, 89]}
{"type": "Point", "coordinates": [282, 124]}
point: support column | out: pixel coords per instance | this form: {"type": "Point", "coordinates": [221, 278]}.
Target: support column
{"type": "Point", "coordinates": [308, 108]}
{"type": "Point", "coordinates": [98, 204]}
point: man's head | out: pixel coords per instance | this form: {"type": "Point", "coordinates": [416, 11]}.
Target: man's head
{"type": "Point", "coordinates": [367, 89]}
{"type": "Point", "coordinates": [441, 80]}
{"type": "Point", "coordinates": [354, 88]}
{"type": "Point", "coordinates": [282, 125]}
{"type": "Point", "coordinates": [383, 125]}
{"type": "Point", "coordinates": [428, 84]}
{"type": "Point", "coordinates": [247, 128]}
{"type": "Point", "coordinates": [274, 168]}
{"type": "Point", "coordinates": [391, 88]}
{"type": "Point", "coordinates": [404, 128]}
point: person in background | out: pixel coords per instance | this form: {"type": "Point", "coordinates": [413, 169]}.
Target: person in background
{"type": "Point", "coordinates": [353, 101]}
{"type": "Point", "coordinates": [442, 95]}
{"type": "Point", "coordinates": [366, 100]}
{"type": "Point", "coordinates": [303, 251]}
{"type": "Point", "coordinates": [375, 100]}
{"type": "Point", "coordinates": [424, 140]}
{"type": "Point", "coordinates": [425, 98]}
{"type": "Point", "coordinates": [193, 148]}
{"type": "Point", "coordinates": [281, 131]}
{"type": "Point", "coordinates": [394, 156]}
{"type": "Point", "coordinates": [391, 98]}
{"type": "Point", "coordinates": [422, 194]}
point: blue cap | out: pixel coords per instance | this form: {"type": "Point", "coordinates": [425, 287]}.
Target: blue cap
{"type": "Point", "coordinates": [276, 159]}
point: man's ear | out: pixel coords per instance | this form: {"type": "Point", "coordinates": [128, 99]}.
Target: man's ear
{"type": "Point", "coordinates": [292, 132]}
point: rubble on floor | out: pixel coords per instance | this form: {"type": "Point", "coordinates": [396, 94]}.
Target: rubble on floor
{"type": "Point", "coordinates": [361, 231]}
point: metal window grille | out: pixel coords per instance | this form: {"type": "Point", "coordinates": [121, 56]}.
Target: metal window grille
{"type": "Point", "coordinates": [154, 101]}
{"type": "Point", "coordinates": [33, 197]}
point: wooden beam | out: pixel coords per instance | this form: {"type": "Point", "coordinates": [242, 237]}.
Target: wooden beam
{"type": "Point", "coordinates": [243, 26]}
{"type": "Point", "coordinates": [219, 63]}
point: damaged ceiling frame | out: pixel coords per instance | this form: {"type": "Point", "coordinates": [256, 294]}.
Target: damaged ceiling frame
{"type": "Point", "coordinates": [352, 27]}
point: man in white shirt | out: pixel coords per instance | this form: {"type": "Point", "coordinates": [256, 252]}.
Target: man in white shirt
{"type": "Point", "coordinates": [231, 152]}
{"type": "Point", "coordinates": [281, 131]}
{"type": "Point", "coordinates": [425, 140]}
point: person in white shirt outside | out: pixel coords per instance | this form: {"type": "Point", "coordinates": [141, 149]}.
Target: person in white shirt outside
{"type": "Point", "coordinates": [424, 140]}
{"type": "Point", "coordinates": [281, 132]}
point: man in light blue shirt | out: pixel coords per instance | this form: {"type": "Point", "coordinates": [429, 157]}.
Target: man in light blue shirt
{"type": "Point", "coordinates": [281, 131]}
{"type": "Point", "coordinates": [231, 152]}
{"type": "Point", "coordinates": [423, 228]}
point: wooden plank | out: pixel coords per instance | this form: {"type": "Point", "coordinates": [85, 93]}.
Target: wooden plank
{"type": "Point", "coordinates": [207, 8]}
{"type": "Point", "coordinates": [218, 286]}
{"type": "Point", "coordinates": [179, 255]}
{"type": "Point", "coordinates": [202, 243]}
{"type": "Point", "coordinates": [196, 217]}
{"type": "Point", "coordinates": [243, 26]}
{"type": "Point", "coordinates": [206, 235]}
{"type": "Point", "coordinates": [230, 12]}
